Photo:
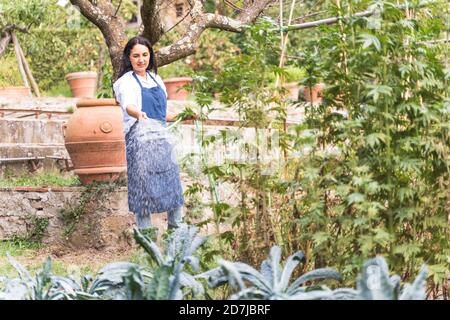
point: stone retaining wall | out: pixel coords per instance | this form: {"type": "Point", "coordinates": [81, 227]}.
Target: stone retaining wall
{"type": "Point", "coordinates": [109, 224]}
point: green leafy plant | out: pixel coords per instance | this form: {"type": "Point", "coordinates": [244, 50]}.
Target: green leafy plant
{"type": "Point", "coordinates": [171, 276]}
{"type": "Point", "coordinates": [105, 90]}
{"type": "Point", "coordinates": [9, 72]}
{"type": "Point", "coordinates": [39, 180]}
{"type": "Point", "coordinates": [109, 283]}
{"type": "Point", "coordinates": [168, 279]}
{"type": "Point", "coordinates": [375, 283]}
{"type": "Point", "coordinates": [272, 282]}
{"type": "Point", "coordinates": [376, 179]}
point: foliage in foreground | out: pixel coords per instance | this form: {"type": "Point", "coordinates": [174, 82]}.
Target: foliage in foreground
{"type": "Point", "coordinates": [272, 283]}
{"type": "Point", "coordinates": [168, 277]}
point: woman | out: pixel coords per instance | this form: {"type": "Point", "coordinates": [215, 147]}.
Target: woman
{"type": "Point", "coordinates": [153, 175]}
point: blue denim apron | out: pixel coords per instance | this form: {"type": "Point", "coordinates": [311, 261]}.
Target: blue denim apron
{"type": "Point", "coordinates": [154, 181]}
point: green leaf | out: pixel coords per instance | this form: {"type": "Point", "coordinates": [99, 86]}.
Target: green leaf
{"type": "Point", "coordinates": [355, 198]}
{"type": "Point", "coordinates": [320, 237]}
{"type": "Point", "coordinates": [375, 91]}
{"type": "Point", "coordinates": [158, 288]}
{"type": "Point", "coordinates": [375, 139]}
{"type": "Point", "coordinates": [370, 40]}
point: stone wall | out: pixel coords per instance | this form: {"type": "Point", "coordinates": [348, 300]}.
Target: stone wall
{"type": "Point", "coordinates": [107, 221]}
{"type": "Point", "coordinates": [96, 228]}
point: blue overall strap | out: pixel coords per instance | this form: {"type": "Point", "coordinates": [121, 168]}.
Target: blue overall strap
{"type": "Point", "coordinates": [156, 82]}
{"type": "Point", "coordinates": [154, 101]}
{"type": "Point", "coordinates": [134, 75]}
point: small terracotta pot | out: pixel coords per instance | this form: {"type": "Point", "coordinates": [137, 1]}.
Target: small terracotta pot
{"type": "Point", "coordinates": [316, 96]}
{"type": "Point", "coordinates": [82, 84]}
{"type": "Point", "coordinates": [15, 92]}
{"type": "Point", "coordinates": [95, 141]}
{"type": "Point", "coordinates": [173, 86]}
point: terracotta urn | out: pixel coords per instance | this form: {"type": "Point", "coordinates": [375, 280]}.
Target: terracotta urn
{"type": "Point", "coordinates": [82, 84]}
{"type": "Point", "coordinates": [95, 141]}
{"type": "Point", "coordinates": [15, 92]}
{"type": "Point", "coordinates": [316, 96]}
{"type": "Point", "coordinates": [173, 86]}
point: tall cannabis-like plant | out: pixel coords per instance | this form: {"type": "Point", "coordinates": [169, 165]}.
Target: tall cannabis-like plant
{"type": "Point", "coordinates": [272, 282]}
{"type": "Point", "coordinates": [232, 160]}
{"type": "Point", "coordinates": [376, 181]}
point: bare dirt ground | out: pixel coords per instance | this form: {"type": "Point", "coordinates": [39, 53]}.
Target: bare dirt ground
{"type": "Point", "coordinates": [81, 261]}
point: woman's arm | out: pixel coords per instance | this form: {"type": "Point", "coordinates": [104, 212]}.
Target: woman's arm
{"type": "Point", "coordinates": [134, 112]}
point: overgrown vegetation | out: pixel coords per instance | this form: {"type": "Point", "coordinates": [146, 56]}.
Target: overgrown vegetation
{"type": "Point", "coordinates": [365, 173]}
{"type": "Point", "coordinates": [37, 228]}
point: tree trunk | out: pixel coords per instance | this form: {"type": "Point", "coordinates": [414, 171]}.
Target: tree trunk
{"type": "Point", "coordinates": [4, 41]}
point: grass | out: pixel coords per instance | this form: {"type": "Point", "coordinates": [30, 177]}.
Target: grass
{"type": "Point", "coordinates": [14, 248]}
{"type": "Point", "coordinates": [9, 71]}
{"type": "Point", "coordinates": [40, 180]}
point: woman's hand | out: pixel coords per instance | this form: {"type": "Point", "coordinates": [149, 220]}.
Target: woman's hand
{"type": "Point", "coordinates": [136, 113]}
{"type": "Point", "coordinates": [142, 116]}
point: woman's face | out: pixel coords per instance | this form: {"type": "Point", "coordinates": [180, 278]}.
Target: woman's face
{"type": "Point", "coordinates": [139, 58]}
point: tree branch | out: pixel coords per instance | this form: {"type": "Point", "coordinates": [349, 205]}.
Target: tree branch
{"type": "Point", "coordinates": [5, 39]}
{"type": "Point", "coordinates": [118, 7]}
{"type": "Point", "coordinates": [188, 44]}
{"type": "Point", "coordinates": [252, 12]}
{"type": "Point", "coordinates": [102, 14]}
{"type": "Point", "coordinates": [5, 36]}
{"type": "Point", "coordinates": [179, 21]}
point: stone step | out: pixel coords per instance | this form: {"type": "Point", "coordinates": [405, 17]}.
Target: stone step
{"type": "Point", "coordinates": [31, 131]}
{"type": "Point", "coordinates": [17, 150]}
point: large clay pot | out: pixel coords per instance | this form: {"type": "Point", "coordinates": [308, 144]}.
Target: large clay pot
{"type": "Point", "coordinates": [173, 86]}
{"type": "Point", "coordinates": [95, 141]}
{"type": "Point", "coordinates": [15, 92]}
{"type": "Point", "coordinates": [82, 84]}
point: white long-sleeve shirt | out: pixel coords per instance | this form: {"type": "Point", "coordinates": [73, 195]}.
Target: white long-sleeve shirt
{"type": "Point", "coordinates": [128, 92]}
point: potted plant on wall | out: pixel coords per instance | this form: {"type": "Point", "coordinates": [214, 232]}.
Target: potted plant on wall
{"type": "Point", "coordinates": [173, 82]}
{"type": "Point", "coordinates": [174, 87]}
{"type": "Point", "coordinates": [293, 76]}
{"type": "Point", "coordinates": [82, 83]}
{"type": "Point", "coordinates": [313, 93]}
